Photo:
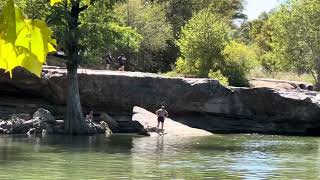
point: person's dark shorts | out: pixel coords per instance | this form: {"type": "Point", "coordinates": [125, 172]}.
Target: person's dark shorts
{"type": "Point", "coordinates": [160, 119]}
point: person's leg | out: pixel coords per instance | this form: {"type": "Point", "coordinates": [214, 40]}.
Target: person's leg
{"type": "Point", "coordinates": [162, 126]}
{"type": "Point", "coordinates": [158, 125]}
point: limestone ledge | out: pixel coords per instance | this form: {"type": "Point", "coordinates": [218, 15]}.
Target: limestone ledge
{"type": "Point", "coordinates": [200, 103]}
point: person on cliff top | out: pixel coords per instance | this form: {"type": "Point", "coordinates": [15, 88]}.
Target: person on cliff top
{"type": "Point", "coordinates": [89, 118]}
{"type": "Point", "coordinates": [108, 61]}
{"type": "Point", "coordinates": [162, 115]}
{"type": "Point", "coordinates": [122, 61]}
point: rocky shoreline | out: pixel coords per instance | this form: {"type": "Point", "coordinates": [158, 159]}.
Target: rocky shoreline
{"type": "Point", "coordinates": [42, 122]}
{"type": "Point", "coordinates": [199, 103]}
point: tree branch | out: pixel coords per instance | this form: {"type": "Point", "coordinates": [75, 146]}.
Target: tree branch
{"type": "Point", "coordinates": [83, 8]}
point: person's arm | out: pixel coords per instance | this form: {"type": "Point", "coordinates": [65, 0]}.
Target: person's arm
{"type": "Point", "coordinates": [167, 114]}
{"type": "Point", "coordinates": [157, 112]}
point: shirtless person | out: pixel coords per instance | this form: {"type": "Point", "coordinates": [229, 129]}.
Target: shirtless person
{"type": "Point", "coordinates": [162, 114]}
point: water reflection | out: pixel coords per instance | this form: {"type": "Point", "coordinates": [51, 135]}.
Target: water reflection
{"type": "Point", "coordinates": [163, 157]}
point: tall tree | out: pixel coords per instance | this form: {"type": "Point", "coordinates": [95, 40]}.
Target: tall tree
{"type": "Point", "coordinates": [67, 19]}
{"type": "Point", "coordinates": [296, 35]}
{"type": "Point", "coordinates": [149, 19]}
{"type": "Point", "coordinates": [207, 49]}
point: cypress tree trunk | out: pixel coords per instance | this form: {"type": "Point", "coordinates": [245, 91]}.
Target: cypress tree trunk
{"type": "Point", "coordinates": [318, 74]}
{"type": "Point", "coordinates": [74, 120]}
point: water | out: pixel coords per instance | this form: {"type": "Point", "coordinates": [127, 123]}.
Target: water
{"type": "Point", "coordinates": [132, 157]}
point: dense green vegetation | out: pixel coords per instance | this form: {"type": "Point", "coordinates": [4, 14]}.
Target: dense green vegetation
{"type": "Point", "coordinates": [194, 38]}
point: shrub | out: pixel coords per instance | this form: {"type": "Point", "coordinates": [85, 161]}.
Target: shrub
{"type": "Point", "coordinates": [217, 75]}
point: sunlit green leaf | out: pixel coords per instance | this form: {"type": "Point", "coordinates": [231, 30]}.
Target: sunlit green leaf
{"type": "Point", "coordinates": [23, 42]}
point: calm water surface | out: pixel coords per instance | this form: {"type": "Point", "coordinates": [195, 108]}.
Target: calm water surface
{"type": "Point", "coordinates": [133, 157]}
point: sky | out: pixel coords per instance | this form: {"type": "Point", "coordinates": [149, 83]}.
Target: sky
{"type": "Point", "coordinates": [255, 7]}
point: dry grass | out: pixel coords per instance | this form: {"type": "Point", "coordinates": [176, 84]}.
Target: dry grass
{"type": "Point", "coordinates": [289, 76]}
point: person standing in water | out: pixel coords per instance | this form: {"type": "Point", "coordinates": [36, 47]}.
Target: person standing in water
{"type": "Point", "coordinates": [162, 115]}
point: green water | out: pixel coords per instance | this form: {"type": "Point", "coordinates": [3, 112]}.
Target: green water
{"type": "Point", "coordinates": [132, 157]}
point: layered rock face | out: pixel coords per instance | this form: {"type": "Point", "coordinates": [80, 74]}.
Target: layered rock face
{"type": "Point", "coordinates": [200, 103]}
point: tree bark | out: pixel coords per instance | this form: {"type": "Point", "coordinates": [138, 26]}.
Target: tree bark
{"type": "Point", "coordinates": [74, 121]}
{"type": "Point", "coordinates": [318, 73]}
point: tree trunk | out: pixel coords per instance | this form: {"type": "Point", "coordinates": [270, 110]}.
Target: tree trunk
{"type": "Point", "coordinates": [318, 74]}
{"type": "Point", "coordinates": [74, 121]}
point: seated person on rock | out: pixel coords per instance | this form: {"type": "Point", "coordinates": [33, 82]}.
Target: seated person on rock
{"type": "Point", "coordinates": [89, 118]}
{"type": "Point", "coordinates": [162, 114]}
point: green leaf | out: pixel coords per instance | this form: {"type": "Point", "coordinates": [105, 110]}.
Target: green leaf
{"type": "Point", "coordinates": [53, 2]}
{"type": "Point", "coordinates": [23, 42]}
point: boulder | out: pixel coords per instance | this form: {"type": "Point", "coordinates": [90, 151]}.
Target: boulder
{"type": "Point", "coordinates": [105, 127]}
{"type": "Point", "coordinates": [112, 124]}
{"type": "Point", "coordinates": [43, 115]}
{"type": "Point", "coordinates": [149, 123]}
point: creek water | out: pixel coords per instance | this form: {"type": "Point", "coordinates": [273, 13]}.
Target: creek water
{"type": "Point", "coordinates": [134, 157]}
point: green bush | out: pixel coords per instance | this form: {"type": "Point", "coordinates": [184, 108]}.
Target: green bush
{"type": "Point", "coordinates": [201, 43]}
{"type": "Point", "coordinates": [207, 50]}
{"type": "Point", "coordinates": [217, 75]}
{"type": "Point", "coordinates": [239, 60]}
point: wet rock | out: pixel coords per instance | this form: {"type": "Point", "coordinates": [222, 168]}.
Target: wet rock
{"type": "Point", "coordinates": [113, 124]}
{"type": "Point", "coordinates": [105, 127]}
{"type": "Point", "coordinates": [23, 116]}
{"type": "Point", "coordinates": [44, 115]}
{"type": "Point", "coordinates": [3, 124]}
{"type": "Point", "coordinates": [31, 131]}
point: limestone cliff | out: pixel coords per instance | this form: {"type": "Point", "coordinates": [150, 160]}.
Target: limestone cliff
{"type": "Point", "coordinates": [201, 103]}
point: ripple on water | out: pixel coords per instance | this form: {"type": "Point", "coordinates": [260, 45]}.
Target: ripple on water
{"type": "Point", "coordinates": [132, 157]}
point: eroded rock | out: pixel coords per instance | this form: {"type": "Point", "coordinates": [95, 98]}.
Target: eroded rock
{"type": "Point", "coordinates": [203, 103]}
{"type": "Point", "coordinates": [43, 115]}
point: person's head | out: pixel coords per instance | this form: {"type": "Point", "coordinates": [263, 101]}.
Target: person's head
{"type": "Point", "coordinates": [91, 112]}
{"type": "Point", "coordinates": [162, 107]}
{"type": "Point", "coordinates": [109, 52]}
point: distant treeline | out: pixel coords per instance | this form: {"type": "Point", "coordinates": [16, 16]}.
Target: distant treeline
{"type": "Point", "coordinates": [198, 38]}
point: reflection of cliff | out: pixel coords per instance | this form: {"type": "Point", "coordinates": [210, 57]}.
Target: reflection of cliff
{"type": "Point", "coordinates": [128, 157]}
{"type": "Point", "coordinates": [201, 103]}
{"type": "Point", "coordinates": [164, 157]}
